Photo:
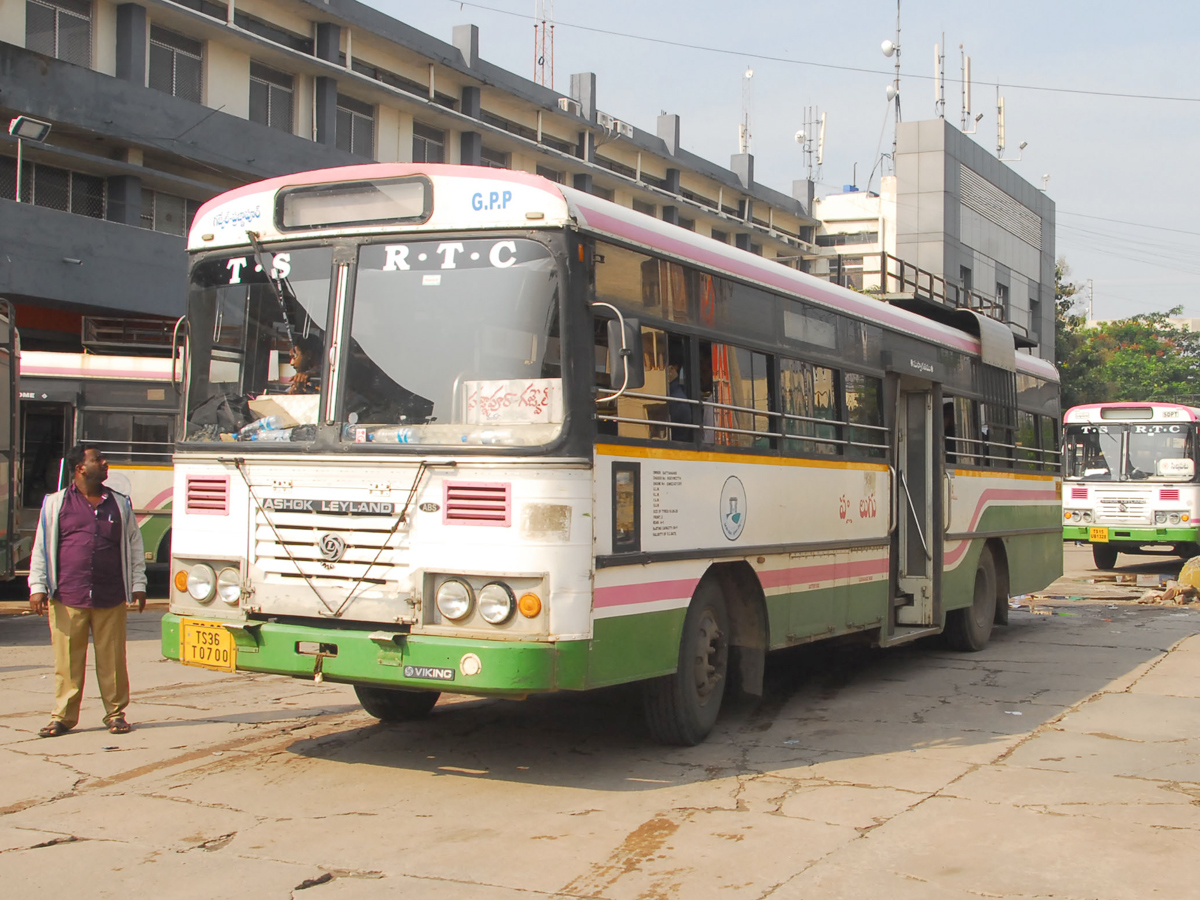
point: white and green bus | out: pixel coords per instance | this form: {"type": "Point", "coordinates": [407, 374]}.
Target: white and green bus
{"type": "Point", "coordinates": [1130, 471]}
{"type": "Point", "coordinates": [555, 444]}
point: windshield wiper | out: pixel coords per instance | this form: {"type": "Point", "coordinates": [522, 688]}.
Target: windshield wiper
{"type": "Point", "coordinates": [267, 268]}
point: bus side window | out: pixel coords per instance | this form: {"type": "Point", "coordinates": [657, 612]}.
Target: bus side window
{"type": "Point", "coordinates": [735, 390]}
{"type": "Point", "coordinates": [808, 393]}
{"type": "Point", "coordinates": [1049, 443]}
{"type": "Point", "coordinates": [1027, 450]}
{"type": "Point", "coordinates": [966, 432]}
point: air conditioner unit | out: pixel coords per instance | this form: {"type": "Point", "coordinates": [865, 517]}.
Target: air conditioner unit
{"type": "Point", "coordinates": [567, 105]}
{"type": "Point", "coordinates": [624, 128]}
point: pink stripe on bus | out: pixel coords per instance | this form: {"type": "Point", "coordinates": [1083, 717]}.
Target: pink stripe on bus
{"type": "Point", "coordinates": [986, 498]}
{"type": "Point", "coordinates": [650, 592]}
{"type": "Point", "coordinates": [824, 572]}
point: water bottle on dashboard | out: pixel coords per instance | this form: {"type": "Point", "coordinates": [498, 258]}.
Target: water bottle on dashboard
{"type": "Point", "coordinates": [266, 423]}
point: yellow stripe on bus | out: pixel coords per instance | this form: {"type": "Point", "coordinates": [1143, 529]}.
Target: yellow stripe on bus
{"type": "Point", "coordinates": [708, 456]}
{"type": "Point", "coordinates": [993, 473]}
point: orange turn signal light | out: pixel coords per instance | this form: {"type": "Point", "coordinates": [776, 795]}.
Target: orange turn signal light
{"type": "Point", "coordinates": [529, 605]}
{"type": "Point", "coordinates": [181, 581]}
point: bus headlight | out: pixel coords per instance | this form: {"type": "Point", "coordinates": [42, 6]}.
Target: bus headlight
{"type": "Point", "coordinates": [496, 603]}
{"type": "Point", "coordinates": [201, 582]}
{"type": "Point", "coordinates": [1174, 518]}
{"type": "Point", "coordinates": [1087, 516]}
{"type": "Point", "coordinates": [229, 586]}
{"type": "Point", "coordinates": [453, 599]}
{"type": "Point", "coordinates": [1160, 518]}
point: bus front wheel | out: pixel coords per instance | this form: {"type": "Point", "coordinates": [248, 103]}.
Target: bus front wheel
{"type": "Point", "coordinates": [1104, 556]}
{"type": "Point", "coordinates": [682, 708]}
{"type": "Point", "coordinates": [388, 705]}
{"type": "Point", "coordinates": [969, 629]}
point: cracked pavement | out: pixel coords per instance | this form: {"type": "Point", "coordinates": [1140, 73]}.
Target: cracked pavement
{"type": "Point", "coordinates": [1063, 761]}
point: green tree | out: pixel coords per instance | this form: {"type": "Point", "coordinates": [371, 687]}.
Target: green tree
{"type": "Point", "coordinates": [1142, 357]}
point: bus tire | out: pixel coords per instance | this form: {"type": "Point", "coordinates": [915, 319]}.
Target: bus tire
{"type": "Point", "coordinates": [682, 708]}
{"type": "Point", "coordinates": [970, 628]}
{"type": "Point", "coordinates": [391, 705]}
{"type": "Point", "coordinates": [1104, 556]}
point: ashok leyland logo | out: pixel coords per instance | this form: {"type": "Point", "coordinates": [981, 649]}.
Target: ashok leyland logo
{"type": "Point", "coordinates": [332, 548]}
{"type": "Point", "coordinates": [733, 508]}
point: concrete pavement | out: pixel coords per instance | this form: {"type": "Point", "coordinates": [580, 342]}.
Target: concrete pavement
{"type": "Point", "coordinates": [1063, 761]}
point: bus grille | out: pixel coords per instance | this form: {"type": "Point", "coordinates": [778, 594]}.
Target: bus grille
{"type": "Point", "coordinates": [1078, 493]}
{"type": "Point", "coordinates": [1169, 495]}
{"type": "Point", "coordinates": [288, 549]}
{"type": "Point", "coordinates": [208, 495]}
{"type": "Point", "coordinates": [477, 503]}
{"type": "Point", "coordinates": [1122, 509]}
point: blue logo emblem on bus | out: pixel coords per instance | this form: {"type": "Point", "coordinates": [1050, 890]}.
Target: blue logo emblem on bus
{"type": "Point", "coordinates": [733, 508]}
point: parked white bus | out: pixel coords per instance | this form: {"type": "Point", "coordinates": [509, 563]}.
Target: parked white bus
{"type": "Point", "coordinates": [127, 406]}
{"type": "Point", "coordinates": [550, 443]}
{"type": "Point", "coordinates": [1131, 479]}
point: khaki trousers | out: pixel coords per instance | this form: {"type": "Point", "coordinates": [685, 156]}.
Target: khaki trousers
{"type": "Point", "coordinates": [69, 629]}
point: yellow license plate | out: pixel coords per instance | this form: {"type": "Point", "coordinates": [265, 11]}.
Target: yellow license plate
{"type": "Point", "coordinates": [1098, 535]}
{"type": "Point", "coordinates": [206, 644]}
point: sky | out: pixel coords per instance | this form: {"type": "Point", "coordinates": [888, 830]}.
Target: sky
{"type": "Point", "coordinates": [1105, 94]}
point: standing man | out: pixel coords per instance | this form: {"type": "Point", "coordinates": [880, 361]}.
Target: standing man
{"type": "Point", "coordinates": [87, 564]}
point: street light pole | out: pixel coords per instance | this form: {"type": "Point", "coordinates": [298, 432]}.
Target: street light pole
{"type": "Point", "coordinates": [25, 128]}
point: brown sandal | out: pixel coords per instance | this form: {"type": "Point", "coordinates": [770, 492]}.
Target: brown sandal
{"type": "Point", "coordinates": [53, 729]}
{"type": "Point", "coordinates": [119, 726]}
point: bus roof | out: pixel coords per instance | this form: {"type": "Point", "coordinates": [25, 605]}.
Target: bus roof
{"type": "Point", "coordinates": [468, 198]}
{"type": "Point", "coordinates": [46, 364]}
{"type": "Point", "coordinates": [1127, 411]}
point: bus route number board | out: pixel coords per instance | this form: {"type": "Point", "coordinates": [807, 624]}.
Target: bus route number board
{"type": "Point", "coordinates": [206, 644]}
{"type": "Point", "coordinates": [1098, 535]}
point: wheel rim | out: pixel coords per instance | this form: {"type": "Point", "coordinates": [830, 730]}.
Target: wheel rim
{"type": "Point", "coordinates": [709, 664]}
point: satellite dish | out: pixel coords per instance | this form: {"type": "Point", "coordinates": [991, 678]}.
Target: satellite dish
{"type": "Point", "coordinates": [891, 92]}
{"type": "Point", "coordinates": [888, 48]}
{"type": "Point", "coordinates": [800, 136]}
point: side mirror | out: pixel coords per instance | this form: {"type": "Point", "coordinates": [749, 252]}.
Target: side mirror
{"type": "Point", "coordinates": [629, 359]}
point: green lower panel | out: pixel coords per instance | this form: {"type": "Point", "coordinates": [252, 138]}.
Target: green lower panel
{"type": "Point", "coordinates": [506, 667]}
{"type": "Point", "coordinates": [1123, 535]}
{"type": "Point", "coordinates": [629, 648]}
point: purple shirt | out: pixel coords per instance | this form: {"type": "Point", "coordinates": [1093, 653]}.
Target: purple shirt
{"type": "Point", "coordinates": [89, 552]}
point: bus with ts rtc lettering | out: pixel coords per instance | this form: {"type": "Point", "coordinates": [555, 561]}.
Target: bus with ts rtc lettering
{"type": "Point", "coordinates": [1130, 471]}
{"type": "Point", "coordinates": [453, 429]}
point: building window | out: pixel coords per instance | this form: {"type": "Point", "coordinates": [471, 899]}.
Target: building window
{"type": "Point", "coordinates": [175, 64]}
{"type": "Point", "coordinates": [54, 188]}
{"type": "Point", "coordinates": [721, 236]}
{"type": "Point", "coordinates": [429, 144]}
{"type": "Point", "coordinates": [355, 127]}
{"type": "Point", "coordinates": [643, 207]}
{"type": "Point", "coordinates": [553, 175]}
{"type": "Point", "coordinates": [687, 224]}
{"type": "Point", "coordinates": [1002, 301]}
{"type": "Point", "coordinates": [495, 159]}
{"type": "Point", "coordinates": [270, 97]}
{"type": "Point", "coordinates": [167, 213]}
{"type": "Point", "coordinates": [604, 193]}
{"type": "Point", "coordinates": [60, 28]}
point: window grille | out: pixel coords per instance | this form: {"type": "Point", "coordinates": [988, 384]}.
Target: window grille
{"type": "Point", "coordinates": [60, 28]}
{"type": "Point", "coordinates": [175, 64]}
{"type": "Point", "coordinates": [167, 213]}
{"type": "Point", "coordinates": [429, 144]}
{"type": "Point", "coordinates": [355, 127]}
{"type": "Point", "coordinates": [495, 159]}
{"type": "Point", "coordinates": [54, 188]}
{"type": "Point", "coordinates": [270, 97]}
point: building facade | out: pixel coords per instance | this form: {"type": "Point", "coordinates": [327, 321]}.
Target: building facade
{"type": "Point", "coordinates": [157, 106]}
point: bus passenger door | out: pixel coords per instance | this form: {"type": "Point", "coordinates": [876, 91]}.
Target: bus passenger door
{"type": "Point", "coordinates": [917, 545]}
{"type": "Point", "coordinates": [46, 433]}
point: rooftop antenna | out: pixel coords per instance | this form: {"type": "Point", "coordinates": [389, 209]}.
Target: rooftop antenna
{"type": "Point", "coordinates": [747, 100]}
{"type": "Point", "coordinates": [543, 34]}
{"type": "Point", "coordinates": [813, 121]}
{"type": "Point", "coordinates": [1000, 133]}
{"type": "Point", "coordinates": [965, 62]}
{"type": "Point", "coordinates": [939, 79]}
{"type": "Point", "coordinates": [892, 48]}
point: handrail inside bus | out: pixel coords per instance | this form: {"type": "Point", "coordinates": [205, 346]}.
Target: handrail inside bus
{"type": "Point", "coordinates": [175, 383]}
{"type": "Point", "coordinates": [916, 518]}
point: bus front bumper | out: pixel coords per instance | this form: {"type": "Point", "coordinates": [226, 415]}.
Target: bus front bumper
{"type": "Point", "coordinates": [390, 659]}
{"type": "Point", "coordinates": [1121, 534]}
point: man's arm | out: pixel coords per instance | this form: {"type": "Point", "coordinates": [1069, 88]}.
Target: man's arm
{"type": "Point", "coordinates": [136, 554]}
{"type": "Point", "coordinates": [39, 600]}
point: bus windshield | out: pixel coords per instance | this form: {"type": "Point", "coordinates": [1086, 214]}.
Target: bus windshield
{"type": "Point", "coordinates": [1129, 452]}
{"type": "Point", "coordinates": [450, 342]}
{"type": "Point", "coordinates": [455, 342]}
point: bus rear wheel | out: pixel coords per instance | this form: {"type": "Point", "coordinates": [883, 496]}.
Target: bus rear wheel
{"type": "Point", "coordinates": [1104, 556]}
{"type": "Point", "coordinates": [969, 629]}
{"type": "Point", "coordinates": [390, 705]}
{"type": "Point", "coordinates": [682, 708]}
